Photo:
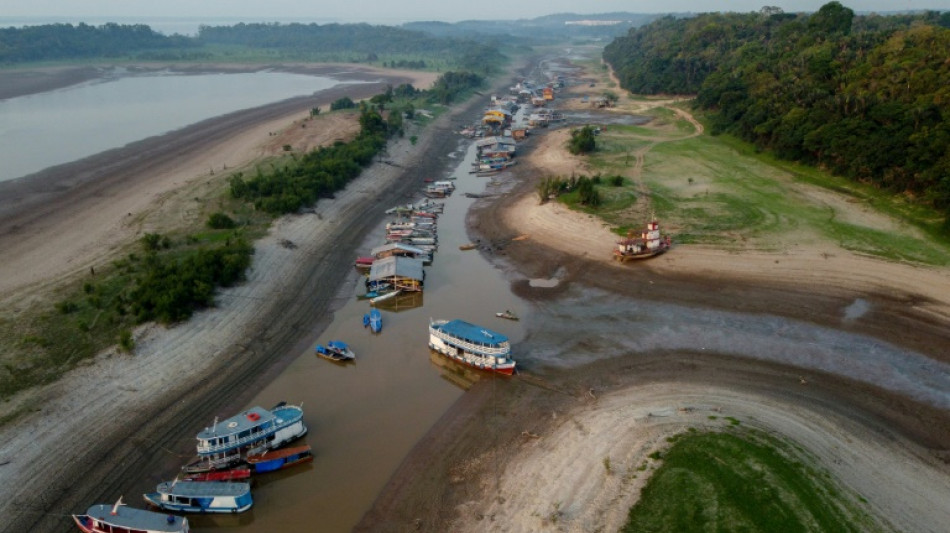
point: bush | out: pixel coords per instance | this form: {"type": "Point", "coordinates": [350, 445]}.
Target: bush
{"type": "Point", "coordinates": [343, 103]}
{"type": "Point", "coordinates": [220, 221]}
{"type": "Point", "coordinates": [616, 181]}
{"type": "Point", "coordinates": [582, 141]}
{"type": "Point", "coordinates": [126, 342]}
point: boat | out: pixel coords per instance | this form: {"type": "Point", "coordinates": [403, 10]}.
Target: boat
{"type": "Point", "coordinates": [384, 297]}
{"type": "Point", "coordinates": [103, 518]}
{"type": "Point", "coordinates": [507, 314]}
{"type": "Point", "coordinates": [472, 345]}
{"type": "Point", "coordinates": [336, 351]}
{"type": "Point", "coordinates": [201, 497]}
{"type": "Point", "coordinates": [226, 443]}
{"type": "Point", "coordinates": [233, 474]}
{"type": "Point", "coordinates": [375, 320]}
{"type": "Point", "coordinates": [272, 460]}
{"type": "Point", "coordinates": [649, 244]}
{"type": "Point", "coordinates": [469, 246]}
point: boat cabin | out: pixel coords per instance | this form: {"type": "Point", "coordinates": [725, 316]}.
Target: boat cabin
{"type": "Point", "coordinates": [395, 273]}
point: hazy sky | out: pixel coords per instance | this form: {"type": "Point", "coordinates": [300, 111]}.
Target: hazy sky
{"type": "Point", "coordinates": [405, 10]}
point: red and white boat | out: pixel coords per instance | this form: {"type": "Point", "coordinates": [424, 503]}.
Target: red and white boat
{"type": "Point", "coordinates": [649, 244]}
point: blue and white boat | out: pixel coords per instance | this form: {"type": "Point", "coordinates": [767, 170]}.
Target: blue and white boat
{"type": "Point", "coordinates": [103, 518]}
{"type": "Point", "coordinates": [336, 351]}
{"type": "Point", "coordinates": [201, 497]}
{"type": "Point", "coordinates": [375, 321]}
{"type": "Point", "coordinates": [472, 345]}
{"type": "Point", "coordinates": [227, 443]}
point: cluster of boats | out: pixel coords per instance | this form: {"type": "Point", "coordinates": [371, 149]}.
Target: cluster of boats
{"type": "Point", "coordinates": [229, 453]}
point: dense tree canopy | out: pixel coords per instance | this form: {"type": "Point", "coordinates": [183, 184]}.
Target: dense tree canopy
{"type": "Point", "coordinates": [65, 41]}
{"type": "Point", "coordinates": [866, 97]}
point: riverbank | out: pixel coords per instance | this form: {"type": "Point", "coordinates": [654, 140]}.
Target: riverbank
{"type": "Point", "coordinates": [618, 357]}
{"type": "Point", "coordinates": [74, 445]}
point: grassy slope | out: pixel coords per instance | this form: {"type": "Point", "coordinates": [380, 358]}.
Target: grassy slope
{"type": "Point", "coordinates": [742, 480]}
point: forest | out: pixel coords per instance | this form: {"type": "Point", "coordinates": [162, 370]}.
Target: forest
{"type": "Point", "coordinates": [866, 97]}
{"type": "Point", "coordinates": [350, 42]}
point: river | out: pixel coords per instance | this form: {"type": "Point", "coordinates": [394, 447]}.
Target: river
{"type": "Point", "coordinates": [50, 128]}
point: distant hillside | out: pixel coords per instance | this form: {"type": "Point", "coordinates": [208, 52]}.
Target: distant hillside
{"type": "Point", "coordinates": [865, 97]}
{"type": "Point", "coordinates": [549, 28]}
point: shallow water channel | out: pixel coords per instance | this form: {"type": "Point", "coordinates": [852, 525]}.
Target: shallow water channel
{"type": "Point", "coordinates": [364, 417]}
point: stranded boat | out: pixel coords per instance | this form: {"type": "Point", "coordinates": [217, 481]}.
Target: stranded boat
{"type": "Point", "coordinates": [227, 442]}
{"type": "Point", "coordinates": [201, 497]}
{"type": "Point", "coordinates": [648, 244]}
{"type": "Point", "coordinates": [336, 351]}
{"type": "Point", "coordinates": [472, 345]}
{"type": "Point", "coordinates": [272, 460]}
{"type": "Point", "coordinates": [119, 517]}
{"type": "Point", "coordinates": [507, 314]}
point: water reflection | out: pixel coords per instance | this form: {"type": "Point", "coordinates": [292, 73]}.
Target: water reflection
{"type": "Point", "coordinates": [459, 375]}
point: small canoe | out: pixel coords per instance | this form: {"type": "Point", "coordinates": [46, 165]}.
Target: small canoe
{"type": "Point", "coordinates": [468, 246]}
{"type": "Point", "coordinates": [375, 320]}
{"type": "Point", "coordinates": [384, 297]}
{"type": "Point", "coordinates": [234, 474]}
{"type": "Point", "coordinates": [507, 314]}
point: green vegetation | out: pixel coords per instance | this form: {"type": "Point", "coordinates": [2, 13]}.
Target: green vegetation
{"type": "Point", "coordinates": [582, 141]}
{"type": "Point", "coordinates": [383, 45]}
{"type": "Point", "coordinates": [741, 480]}
{"type": "Point", "coordinates": [864, 97]}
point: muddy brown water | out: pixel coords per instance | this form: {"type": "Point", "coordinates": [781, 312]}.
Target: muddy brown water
{"type": "Point", "coordinates": [364, 417]}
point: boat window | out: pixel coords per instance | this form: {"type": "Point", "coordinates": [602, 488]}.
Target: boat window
{"type": "Point", "coordinates": [244, 434]}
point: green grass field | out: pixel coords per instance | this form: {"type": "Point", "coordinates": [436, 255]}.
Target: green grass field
{"type": "Point", "coordinates": [742, 480]}
{"type": "Point", "coordinates": [719, 191]}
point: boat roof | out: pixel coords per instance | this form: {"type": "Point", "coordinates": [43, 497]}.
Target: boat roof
{"type": "Point", "coordinates": [405, 267]}
{"type": "Point", "coordinates": [132, 518]}
{"type": "Point", "coordinates": [237, 423]}
{"type": "Point", "coordinates": [397, 246]}
{"type": "Point", "coordinates": [196, 489]}
{"type": "Point", "coordinates": [471, 332]}
{"type": "Point", "coordinates": [338, 344]}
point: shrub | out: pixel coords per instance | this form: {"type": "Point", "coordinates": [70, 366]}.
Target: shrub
{"type": "Point", "coordinates": [220, 221]}
{"type": "Point", "coordinates": [582, 141]}
{"type": "Point", "coordinates": [343, 103]}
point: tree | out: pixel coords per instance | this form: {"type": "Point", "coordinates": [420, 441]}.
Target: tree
{"type": "Point", "coordinates": [582, 141]}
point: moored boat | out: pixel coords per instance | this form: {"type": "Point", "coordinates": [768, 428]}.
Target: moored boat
{"type": "Point", "coordinates": [226, 443]}
{"type": "Point", "coordinates": [336, 351]}
{"type": "Point", "coordinates": [103, 518]}
{"type": "Point", "coordinates": [375, 320]}
{"type": "Point", "coordinates": [472, 345]}
{"type": "Point", "coordinates": [233, 474]}
{"type": "Point", "coordinates": [272, 460]}
{"type": "Point", "coordinates": [507, 314]}
{"type": "Point", "coordinates": [201, 497]}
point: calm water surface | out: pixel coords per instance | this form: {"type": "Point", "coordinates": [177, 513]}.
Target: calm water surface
{"type": "Point", "coordinates": [365, 417]}
{"type": "Point", "coordinates": [46, 129]}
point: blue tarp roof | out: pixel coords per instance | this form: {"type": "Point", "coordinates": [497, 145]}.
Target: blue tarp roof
{"type": "Point", "coordinates": [471, 332]}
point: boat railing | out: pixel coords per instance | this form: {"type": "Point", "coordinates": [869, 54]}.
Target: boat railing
{"type": "Point", "coordinates": [276, 425]}
{"type": "Point", "coordinates": [502, 350]}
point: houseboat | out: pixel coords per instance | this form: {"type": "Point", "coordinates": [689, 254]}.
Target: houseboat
{"type": "Point", "coordinates": [103, 518]}
{"type": "Point", "coordinates": [472, 345]}
{"type": "Point", "coordinates": [201, 497]}
{"type": "Point", "coordinates": [272, 460]}
{"type": "Point", "coordinates": [649, 244]}
{"type": "Point", "coordinates": [226, 443]}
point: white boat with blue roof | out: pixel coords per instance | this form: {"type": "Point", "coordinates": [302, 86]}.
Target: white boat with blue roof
{"type": "Point", "coordinates": [472, 345]}
{"type": "Point", "coordinates": [227, 443]}
{"type": "Point", "coordinates": [201, 497]}
{"type": "Point", "coordinates": [102, 518]}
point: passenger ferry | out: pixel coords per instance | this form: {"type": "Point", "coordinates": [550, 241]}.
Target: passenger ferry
{"type": "Point", "coordinates": [119, 517]}
{"type": "Point", "coordinates": [472, 345]}
{"type": "Point", "coordinates": [226, 443]}
{"type": "Point", "coordinates": [201, 497]}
